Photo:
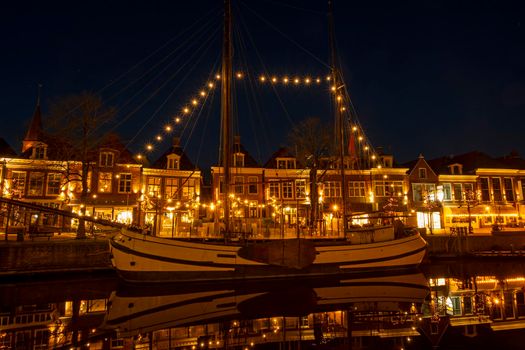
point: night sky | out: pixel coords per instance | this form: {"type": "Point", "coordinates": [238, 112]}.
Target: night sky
{"type": "Point", "coordinates": [430, 77]}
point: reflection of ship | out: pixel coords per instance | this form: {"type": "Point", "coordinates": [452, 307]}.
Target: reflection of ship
{"type": "Point", "coordinates": [139, 312]}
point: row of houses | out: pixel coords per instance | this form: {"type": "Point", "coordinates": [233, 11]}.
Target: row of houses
{"type": "Point", "coordinates": [169, 196]}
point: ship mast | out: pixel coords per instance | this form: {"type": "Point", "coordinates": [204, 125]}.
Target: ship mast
{"type": "Point", "coordinates": [226, 110]}
{"type": "Point", "coordinates": [338, 116]}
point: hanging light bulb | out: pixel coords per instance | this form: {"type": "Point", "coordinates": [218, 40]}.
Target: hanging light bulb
{"type": "Point", "coordinates": [167, 128]}
{"type": "Point", "coordinates": [211, 85]}
{"type": "Point", "coordinates": [296, 81]}
{"type": "Point", "coordinates": [149, 147]}
{"type": "Point", "coordinates": [194, 102]}
{"type": "Point", "coordinates": [274, 79]}
{"type": "Point", "coordinates": [186, 110]}
{"type": "Point", "coordinates": [177, 120]}
{"type": "Point", "coordinates": [328, 78]}
{"type": "Point", "coordinates": [203, 93]}
{"type": "Point", "coordinates": [307, 81]}
{"type": "Point", "coordinates": [354, 128]}
{"type": "Point", "coordinates": [262, 78]}
{"type": "Point", "coordinates": [218, 76]}
{"type": "Point", "coordinates": [318, 80]}
{"type": "Point", "coordinates": [159, 138]}
{"type": "Point", "coordinates": [285, 80]}
{"type": "Point", "coordinates": [360, 138]}
{"type": "Point", "coordinates": [239, 75]}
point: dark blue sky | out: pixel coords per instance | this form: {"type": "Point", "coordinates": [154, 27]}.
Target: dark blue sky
{"type": "Point", "coordinates": [431, 77]}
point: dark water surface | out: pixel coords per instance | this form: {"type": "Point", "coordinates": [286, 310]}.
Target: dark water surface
{"type": "Point", "coordinates": [446, 305]}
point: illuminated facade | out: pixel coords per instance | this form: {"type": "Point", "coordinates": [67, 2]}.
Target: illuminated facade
{"type": "Point", "coordinates": [448, 192]}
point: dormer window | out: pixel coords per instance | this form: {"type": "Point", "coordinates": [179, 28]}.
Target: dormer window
{"type": "Point", "coordinates": [106, 159]}
{"type": "Point", "coordinates": [39, 152]}
{"type": "Point", "coordinates": [173, 162]}
{"type": "Point", "coordinates": [285, 163]}
{"type": "Point", "coordinates": [422, 173]}
{"type": "Point", "coordinates": [456, 169]}
{"type": "Point", "coordinates": [238, 160]}
{"type": "Point", "coordinates": [388, 161]}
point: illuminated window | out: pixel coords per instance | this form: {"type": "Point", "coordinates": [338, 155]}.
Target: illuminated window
{"type": "Point", "coordinates": [239, 184]}
{"type": "Point", "coordinates": [356, 189]}
{"type": "Point", "coordinates": [422, 191]}
{"type": "Point", "coordinates": [252, 185]}
{"type": "Point", "coordinates": [36, 184]}
{"type": "Point", "coordinates": [300, 188]}
{"type": "Point", "coordinates": [274, 187]}
{"type": "Point", "coordinates": [18, 182]}
{"type": "Point", "coordinates": [173, 161]}
{"type": "Point", "coordinates": [153, 186]}
{"type": "Point", "coordinates": [287, 189]}
{"type": "Point", "coordinates": [39, 152]}
{"type": "Point", "coordinates": [458, 192]}
{"type": "Point", "coordinates": [106, 159]}
{"type": "Point", "coordinates": [104, 182]}
{"type": "Point", "coordinates": [447, 192]}
{"type": "Point", "coordinates": [172, 187]}
{"type": "Point", "coordinates": [188, 189]}
{"type": "Point", "coordinates": [53, 184]}
{"type": "Point", "coordinates": [238, 160]}
{"type": "Point", "coordinates": [496, 189]}
{"type": "Point", "coordinates": [485, 191]}
{"type": "Point", "coordinates": [509, 189]}
{"type": "Point", "coordinates": [388, 188]}
{"type": "Point", "coordinates": [332, 189]}
{"type": "Point", "coordinates": [124, 183]}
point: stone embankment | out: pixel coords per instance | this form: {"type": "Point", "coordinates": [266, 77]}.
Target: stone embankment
{"type": "Point", "coordinates": [57, 256]}
{"type": "Point", "coordinates": [54, 256]}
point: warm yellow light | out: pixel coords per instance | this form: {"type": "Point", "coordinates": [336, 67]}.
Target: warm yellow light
{"type": "Point", "coordinates": [339, 98]}
{"type": "Point", "coordinates": [296, 81]}
{"type": "Point", "coordinates": [203, 93]}
{"type": "Point", "coordinates": [167, 128]}
{"type": "Point", "coordinates": [274, 79]}
{"type": "Point", "coordinates": [262, 78]}
{"type": "Point", "coordinates": [335, 207]}
{"type": "Point", "coordinates": [239, 75]}
{"type": "Point", "coordinates": [285, 80]}
{"type": "Point", "coordinates": [318, 80]}
{"type": "Point", "coordinates": [373, 156]}
{"type": "Point", "coordinates": [354, 128]}
{"type": "Point", "coordinates": [328, 78]}
{"type": "Point", "coordinates": [360, 138]}
{"type": "Point", "coordinates": [194, 102]}
{"type": "Point", "coordinates": [343, 108]}
{"type": "Point", "coordinates": [139, 156]}
{"type": "Point", "coordinates": [218, 76]}
{"type": "Point", "coordinates": [149, 147]}
{"type": "Point", "coordinates": [177, 120]}
{"type": "Point", "coordinates": [211, 85]}
{"type": "Point", "coordinates": [307, 80]}
{"type": "Point", "coordinates": [333, 88]}
{"type": "Point", "coordinates": [186, 110]}
{"type": "Point", "coordinates": [159, 138]}
{"type": "Point", "coordinates": [366, 148]}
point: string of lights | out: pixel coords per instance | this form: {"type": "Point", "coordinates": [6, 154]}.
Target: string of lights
{"type": "Point", "coordinates": [359, 147]}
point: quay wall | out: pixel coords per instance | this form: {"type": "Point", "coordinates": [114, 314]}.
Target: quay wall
{"type": "Point", "coordinates": [446, 245]}
{"type": "Point", "coordinates": [53, 256]}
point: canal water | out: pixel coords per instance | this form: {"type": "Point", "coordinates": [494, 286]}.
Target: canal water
{"type": "Point", "coordinates": [446, 305]}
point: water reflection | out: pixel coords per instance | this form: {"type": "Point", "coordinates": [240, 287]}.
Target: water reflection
{"type": "Point", "coordinates": [446, 306]}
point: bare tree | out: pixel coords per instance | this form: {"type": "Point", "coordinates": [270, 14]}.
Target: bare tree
{"type": "Point", "coordinates": [312, 141]}
{"type": "Point", "coordinates": [75, 130]}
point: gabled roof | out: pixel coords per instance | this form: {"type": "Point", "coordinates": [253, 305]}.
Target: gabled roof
{"type": "Point", "coordinates": [513, 160]}
{"type": "Point", "coordinates": [112, 141]}
{"type": "Point", "coordinates": [5, 149]}
{"type": "Point", "coordinates": [471, 161]}
{"type": "Point", "coordinates": [249, 161]}
{"type": "Point", "coordinates": [184, 162]}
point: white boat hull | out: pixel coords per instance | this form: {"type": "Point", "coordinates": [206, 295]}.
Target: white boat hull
{"type": "Point", "coordinates": [143, 258]}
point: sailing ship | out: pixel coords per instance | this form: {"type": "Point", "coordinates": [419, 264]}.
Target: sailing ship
{"type": "Point", "coordinates": [143, 258]}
